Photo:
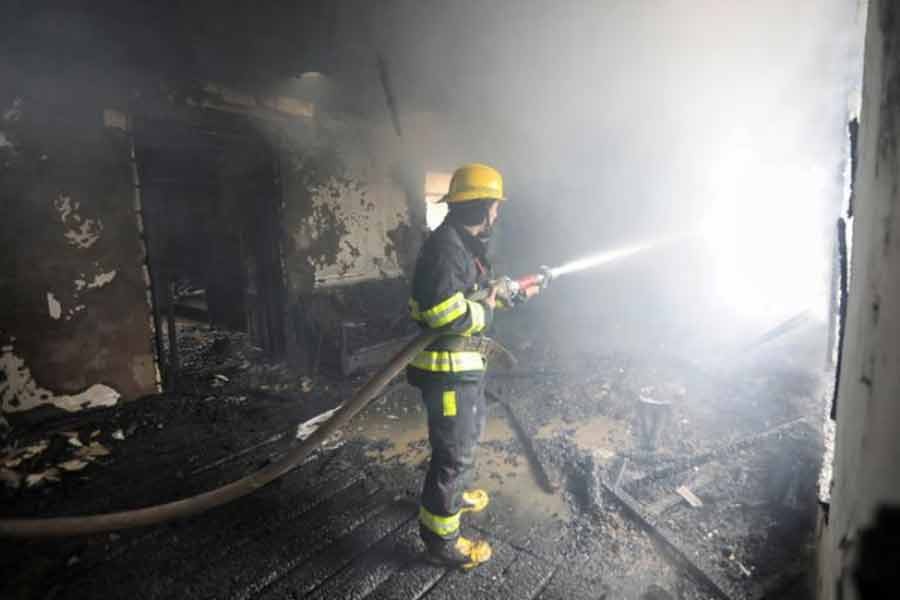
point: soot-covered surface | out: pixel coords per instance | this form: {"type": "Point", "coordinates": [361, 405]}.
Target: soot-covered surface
{"type": "Point", "coordinates": [343, 525]}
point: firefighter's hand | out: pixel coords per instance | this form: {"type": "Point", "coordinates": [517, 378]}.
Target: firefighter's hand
{"type": "Point", "coordinates": [529, 293]}
{"type": "Point", "coordinates": [491, 300]}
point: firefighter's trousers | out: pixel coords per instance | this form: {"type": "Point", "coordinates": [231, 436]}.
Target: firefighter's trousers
{"type": "Point", "coordinates": [456, 419]}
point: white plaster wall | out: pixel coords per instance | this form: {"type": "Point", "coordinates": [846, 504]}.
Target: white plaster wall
{"type": "Point", "coordinates": [867, 453]}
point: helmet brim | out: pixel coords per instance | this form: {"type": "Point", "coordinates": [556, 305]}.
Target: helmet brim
{"type": "Point", "coordinates": [472, 195]}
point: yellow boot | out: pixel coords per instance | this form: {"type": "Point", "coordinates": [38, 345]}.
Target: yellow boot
{"type": "Point", "coordinates": [478, 551]}
{"type": "Point", "coordinates": [475, 501]}
{"type": "Point", "coordinates": [461, 553]}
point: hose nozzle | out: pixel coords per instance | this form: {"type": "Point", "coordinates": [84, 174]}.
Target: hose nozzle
{"type": "Point", "coordinates": [546, 276]}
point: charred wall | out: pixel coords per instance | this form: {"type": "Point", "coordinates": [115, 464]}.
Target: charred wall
{"type": "Point", "coordinates": [75, 324]}
{"type": "Point", "coordinates": [76, 304]}
{"type": "Point", "coordinates": [351, 228]}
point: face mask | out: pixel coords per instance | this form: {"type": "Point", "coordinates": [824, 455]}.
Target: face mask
{"type": "Point", "coordinates": [485, 234]}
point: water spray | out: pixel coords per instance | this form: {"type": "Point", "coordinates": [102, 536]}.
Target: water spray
{"type": "Point", "coordinates": [596, 260]}
{"type": "Point", "coordinates": [529, 285]}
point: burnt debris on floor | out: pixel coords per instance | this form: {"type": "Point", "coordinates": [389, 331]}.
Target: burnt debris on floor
{"type": "Point", "coordinates": [677, 514]}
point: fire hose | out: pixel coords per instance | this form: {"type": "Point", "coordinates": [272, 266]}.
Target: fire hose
{"type": "Point", "coordinates": [186, 507]}
{"type": "Point", "coordinates": [511, 291]}
{"type": "Point", "coordinates": [52, 527]}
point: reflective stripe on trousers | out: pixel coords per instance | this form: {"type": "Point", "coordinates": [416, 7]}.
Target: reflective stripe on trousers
{"type": "Point", "coordinates": [444, 527]}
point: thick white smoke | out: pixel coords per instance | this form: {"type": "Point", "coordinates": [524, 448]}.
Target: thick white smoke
{"type": "Point", "coordinates": [620, 121]}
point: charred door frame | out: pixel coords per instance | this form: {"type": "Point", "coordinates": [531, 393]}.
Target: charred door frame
{"type": "Point", "coordinates": [266, 319]}
{"type": "Point", "coordinates": [266, 324]}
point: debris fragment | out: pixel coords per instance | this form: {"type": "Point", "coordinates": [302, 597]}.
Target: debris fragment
{"type": "Point", "coordinates": [48, 476]}
{"type": "Point", "coordinates": [16, 457]}
{"type": "Point", "coordinates": [306, 384]}
{"type": "Point", "coordinates": [94, 450]}
{"type": "Point", "coordinates": [689, 496]}
{"type": "Point", "coordinates": [118, 434]}
{"type": "Point", "coordinates": [72, 438]}
{"type": "Point", "coordinates": [73, 465]}
{"type": "Point", "coordinates": [35, 449]}
{"type": "Point", "coordinates": [306, 429]}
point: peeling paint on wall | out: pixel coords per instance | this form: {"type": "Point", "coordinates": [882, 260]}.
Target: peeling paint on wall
{"type": "Point", "coordinates": [72, 299]}
{"type": "Point", "coordinates": [54, 307]}
{"type": "Point", "coordinates": [346, 234]}
{"type": "Point", "coordinates": [85, 235]}
{"type": "Point", "coordinates": [70, 314]}
{"type": "Point", "coordinates": [99, 280]}
{"type": "Point", "coordinates": [19, 391]}
{"type": "Point", "coordinates": [82, 233]}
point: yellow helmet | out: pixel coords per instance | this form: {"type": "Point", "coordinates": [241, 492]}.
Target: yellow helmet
{"type": "Point", "coordinates": [475, 182]}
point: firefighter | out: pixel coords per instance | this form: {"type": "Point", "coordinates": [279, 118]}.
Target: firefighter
{"type": "Point", "coordinates": [449, 373]}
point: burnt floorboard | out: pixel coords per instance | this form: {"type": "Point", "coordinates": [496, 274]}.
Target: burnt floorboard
{"type": "Point", "coordinates": [343, 524]}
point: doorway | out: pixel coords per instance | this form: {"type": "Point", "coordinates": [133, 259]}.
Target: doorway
{"type": "Point", "coordinates": [211, 199]}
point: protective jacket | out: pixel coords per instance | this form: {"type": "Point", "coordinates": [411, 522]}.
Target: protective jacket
{"type": "Point", "coordinates": [452, 264]}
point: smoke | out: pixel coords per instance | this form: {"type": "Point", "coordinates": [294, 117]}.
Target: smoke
{"type": "Point", "coordinates": [619, 122]}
